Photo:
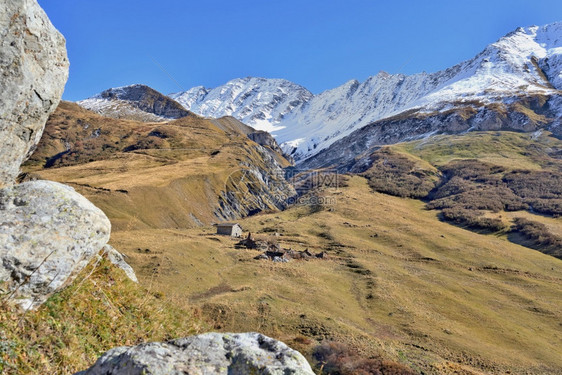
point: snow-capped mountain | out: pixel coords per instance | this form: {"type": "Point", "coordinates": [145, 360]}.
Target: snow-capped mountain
{"type": "Point", "coordinates": [526, 62]}
{"type": "Point", "coordinates": [259, 102]}
{"type": "Point", "coordinates": [135, 102]}
{"type": "Point", "coordinates": [513, 83]}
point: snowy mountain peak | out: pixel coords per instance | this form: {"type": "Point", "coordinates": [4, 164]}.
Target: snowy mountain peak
{"type": "Point", "coordinates": [136, 102]}
{"type": "Point", "coordinates": [524, 65]}
{"type": "Point", "coordinates": [382, 74]}
{"type": "Point", "coordinates": [259, 102]}
{"type": "Point", "coordinates": [130, 92]}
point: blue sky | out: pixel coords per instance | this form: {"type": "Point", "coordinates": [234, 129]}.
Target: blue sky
{"type": "Point", "coordinates": [172, 45]}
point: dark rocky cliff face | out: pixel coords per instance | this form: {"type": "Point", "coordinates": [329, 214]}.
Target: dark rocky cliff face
{"type": "Point", "coordinates": [148, 100]}
{"type": "Point", "coordinates": [526, 114]}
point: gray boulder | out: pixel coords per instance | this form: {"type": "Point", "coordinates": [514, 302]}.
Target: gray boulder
{"type": "Point", "coordinates": [118, 260]}
{"type": "Point", "coordinates": [211, 353]}
{"type": "Point", "coordinates": [48, 233]}
{"type": "Point", "coordinates": [33, 72]}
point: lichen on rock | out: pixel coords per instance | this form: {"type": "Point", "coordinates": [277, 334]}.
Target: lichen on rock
{"type": "Point", "coordinates": [48, 233]}
{"type": "Point", "coordinates": [210, 353]}
{"type": "Point", "coordinates": [33, 72]}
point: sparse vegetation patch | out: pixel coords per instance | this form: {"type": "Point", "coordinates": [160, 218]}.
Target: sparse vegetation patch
{"type": "Point", "coordinates": [400, 175]}
{"type": "Point", "coordinates": [333, 358]}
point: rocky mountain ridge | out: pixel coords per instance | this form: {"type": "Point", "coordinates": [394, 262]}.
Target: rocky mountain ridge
{"type": "Point", "coordinates": [135, 102]}
{"type": "Point", "coordinates": [259, 102]}
{"type": "Point", "coordinates": [522, 66]}
{"type": "Point", "coordinates": [199, 171]}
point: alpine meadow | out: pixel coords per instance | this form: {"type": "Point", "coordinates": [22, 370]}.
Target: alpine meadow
{"type": "Point", "coordinates": [397, 224]}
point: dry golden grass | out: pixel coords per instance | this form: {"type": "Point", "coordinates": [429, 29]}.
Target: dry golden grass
{"type": "Point", "coordinates": [398, 282]}
{"type": "Point", "coordinates": [174, 182]}
{"type": "Point", "coordinates": [101, 310]}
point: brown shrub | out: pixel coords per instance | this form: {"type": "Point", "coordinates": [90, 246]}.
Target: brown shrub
{"type": "Point", "coordinates": [164, 132]}
{"type": "Point", "coordinates": [473, 170]}
{"type": "Point", "coordinates": [535, 184]}
{"type": "Point", "coordinates": [399, 175]}
{"type": "Point", "coordinates": [552, 207]}
{"type": "Point", "coordinates": [152, 142]}
{"type": "Point", "coordinates": [302, 340]}
{"type": "Point", "coordinates": [338, 359]}
{"type": "Point", "coordinates": [541, 189]}
{"type": "Point", "coordinates": [473, 185]}
{"type": "Point", "coordinates": [538, 233]}
{"type": "Point", "coordinates": [473, 196]}
{"type": "Point", "coordinates": [472, 219]}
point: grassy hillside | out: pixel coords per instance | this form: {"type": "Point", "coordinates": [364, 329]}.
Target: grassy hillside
{"type": "Point", "coordinates": [102, 309]}
{"type": "Point", "coordinates": [531, 151]}
{"type": "Point", "coordinates": [397, 281]}
{"type": "Point", "coordinates": [155, 175]}
{"type": "Point", "coordinates": [399, 284]}
{"type": "Point", "coordinates": [486, 181]}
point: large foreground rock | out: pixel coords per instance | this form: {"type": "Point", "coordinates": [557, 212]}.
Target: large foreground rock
{"type": "Point", "coordinates": [211, 353]}
{"type": "Point", "coordinates": [48, 233]}
{"type": "Point", "coordinates": [33, 72]}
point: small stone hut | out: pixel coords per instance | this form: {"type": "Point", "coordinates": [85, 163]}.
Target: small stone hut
{"type": "Point", "coordinates": [229, 229]}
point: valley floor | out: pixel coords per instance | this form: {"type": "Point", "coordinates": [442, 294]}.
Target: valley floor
{"type": "Point", "coordinates": [397, 281]}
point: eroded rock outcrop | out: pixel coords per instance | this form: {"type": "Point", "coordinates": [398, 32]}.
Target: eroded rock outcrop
{"type": "Point", "coordinates": [211, 353]}
{"type": "Point", "coordinates": [266, 140]}
{"type": "Point", "coordinates": [48, 233]}
{"type": "Point", "coordinates": [34, 70]}
{"type": "Point", "coordinates": [118, 260]}
{"type": "Point", "coordinates": [259, 185]}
